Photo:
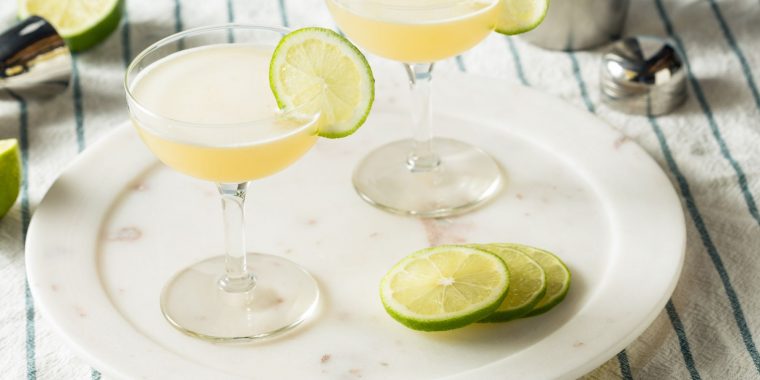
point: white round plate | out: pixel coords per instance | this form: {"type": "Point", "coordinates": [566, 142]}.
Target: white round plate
{"type": "Point", "coordinates": [117, 225]}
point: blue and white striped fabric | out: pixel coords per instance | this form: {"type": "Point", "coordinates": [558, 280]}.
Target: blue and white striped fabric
{"type": "Point", "coordinates": [710, 327]}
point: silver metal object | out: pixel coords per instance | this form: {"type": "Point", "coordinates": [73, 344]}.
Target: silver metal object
{"type": "Point", "coordinates": [579, 24]}
{"type": "Point", "coordinates": [34, 61]}
{"type": "Point", "coordinates": [643, 75]}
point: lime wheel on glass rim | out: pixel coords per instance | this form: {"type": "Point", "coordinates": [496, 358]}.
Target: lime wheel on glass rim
{"type": "Point", "coordinates": [520, 16]}
{"type": "Point", "coordinates": [318, 70]}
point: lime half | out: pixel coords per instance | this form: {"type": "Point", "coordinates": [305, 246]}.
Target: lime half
{"type": "Point", "coordinates": [318, 70]}
{"type": "Point", "coordinates": [10, 174]}
{"type": "Point", "coordinates": [444, 287]}
{"type": "Point", "coordinates": [527, 284]}
{"type": "Point", "coordinates": [520, 16]}
{"type": "Point", "coordinates": [557, 276]}
{"type": "Point", "coordinates": [82, 23]}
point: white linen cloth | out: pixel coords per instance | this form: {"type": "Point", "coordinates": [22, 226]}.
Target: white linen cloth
{"type": "Point", "coordinates": [711, 327]}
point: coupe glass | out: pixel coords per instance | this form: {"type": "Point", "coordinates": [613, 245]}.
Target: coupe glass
{"type": "Point", "coordinates": [238, 295]}
{"type": "Point", "coordinates": [423, 176]}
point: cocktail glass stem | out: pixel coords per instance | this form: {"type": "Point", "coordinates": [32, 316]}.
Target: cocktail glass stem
{"type": "Point", "coordinates": [423, 157]}
{"type": "Point", "coordinates": [237, 278]}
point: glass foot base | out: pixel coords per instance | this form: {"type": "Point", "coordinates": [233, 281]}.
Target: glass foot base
{"type": "Point", "coordinates": [465, 179]}
{"type": "Point", "coordinates": [284, 296]}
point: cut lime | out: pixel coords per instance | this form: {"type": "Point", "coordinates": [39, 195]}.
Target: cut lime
{"type": "Point", "coordinates": [318, 70]}
{"type": "Point", "coordinates": [557, 276]}
{"type": "Point", "coordinates": [82, 23]}
{"type": "Point", "coordinates": [10, 174]}
{"type": "Point", "coordinates": [527, 284]}
{"type": "Point", "coordinates": [520, 16]}
{"type": "Point", "coordinates": [444, 287]}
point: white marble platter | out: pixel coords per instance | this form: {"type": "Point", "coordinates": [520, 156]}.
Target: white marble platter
{"type": "Point", "coordinates": [117, 224]}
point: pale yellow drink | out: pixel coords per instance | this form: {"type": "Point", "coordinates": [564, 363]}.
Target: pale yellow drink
{"type": "Point", "coordinates": [416, 31]}
{"type": "Point", "coordinates": [212, 114]}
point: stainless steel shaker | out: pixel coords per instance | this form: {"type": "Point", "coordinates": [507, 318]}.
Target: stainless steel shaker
{"type": "Point", "coordinates": [579, 24]}
{"type": "Point", "coordinates": [34, 61]}
{"type": "Point", "coordinates": [643, 75]}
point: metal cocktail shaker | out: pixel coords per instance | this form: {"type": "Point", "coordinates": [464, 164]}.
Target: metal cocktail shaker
{"type": "Point", "coordinates": [34, 61]}
{"type": "Point", "coordinates": [579, 24]}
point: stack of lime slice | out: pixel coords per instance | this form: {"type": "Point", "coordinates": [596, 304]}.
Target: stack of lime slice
{"type": "Point", "coordinates": [448, 287]}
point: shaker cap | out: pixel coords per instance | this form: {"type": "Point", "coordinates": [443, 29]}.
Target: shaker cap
{"type": "Point", "coordinates": [643, 75]}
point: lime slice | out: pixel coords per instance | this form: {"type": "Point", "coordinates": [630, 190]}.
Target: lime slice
{"type": "Point", "coordinates": [82, 23]}
{"type": "Point", "coordinates": [520, 16]}
{"type": "Point", "coordinates": [318, 70]}
{"type": "Point", "coordinates": [443, 288]}
{"type": "Point", "coordinates": [557, 276]}
{"type": "Point", "coordinates": [527, 284]}
{"type": "Point", "coordinates": [10, 174]}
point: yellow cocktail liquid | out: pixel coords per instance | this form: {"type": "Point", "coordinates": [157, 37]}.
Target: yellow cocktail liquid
{"type": "Point", "coordinates": [209, 112]}
{"type": "Point", "coordinates": [416, 31]}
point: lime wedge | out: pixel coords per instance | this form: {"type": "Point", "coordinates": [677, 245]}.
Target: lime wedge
{"type": "Point", "coordinates": [557, 276]}
{"type": "Point", "coordinates": [520, 16]}
{"type": "Point", "coordinates": [10, 174]}
{"type": "Point", "coordinates": [82, 23]}
{"type": "Point", "coordinates": [318, 70]}
{"type": "Point", "coordinates": [444, 287]}
{"type": "Point", "coordinates": [527, 284]}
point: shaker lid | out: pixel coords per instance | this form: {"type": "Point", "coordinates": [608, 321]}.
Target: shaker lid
{"type": "Point", "coordinates": [643, 75]}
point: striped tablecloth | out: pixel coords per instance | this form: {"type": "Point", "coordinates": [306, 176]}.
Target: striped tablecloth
{"type": "Point", "coordinates": [708, 148]}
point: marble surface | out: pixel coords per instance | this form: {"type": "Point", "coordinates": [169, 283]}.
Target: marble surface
{"type": "Point", "coordinates": [573, 187]}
